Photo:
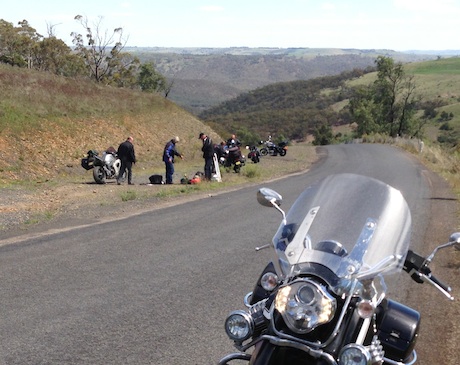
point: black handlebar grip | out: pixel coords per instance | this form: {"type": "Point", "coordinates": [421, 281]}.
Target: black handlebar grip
{"type": "Point", "coordinates": [447, 288]}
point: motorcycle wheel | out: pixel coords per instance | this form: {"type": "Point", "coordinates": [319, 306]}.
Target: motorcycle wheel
{"type": "Point", "coordinates": [282, 152]}
{"type": "Point", "coordinates": [237, 168]}
{"type": "Point", "coordinates": [264, 151]}
{"type": "Point", "coordinates": [99, 175]}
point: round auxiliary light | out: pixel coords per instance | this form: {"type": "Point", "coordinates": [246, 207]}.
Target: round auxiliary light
{"type": "Point", "coordinates": [366, 309]}
{"type": "Point", "coordinates": [269, 281]}
{"type": "Point", "coordinates": [239, 326]}
{"type": "Point", "coordinates": [354, 354]}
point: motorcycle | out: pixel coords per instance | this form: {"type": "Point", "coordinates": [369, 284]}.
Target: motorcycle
{"type": "Point", "coordinates": [233, 157]}
{"type": "Point", "coordinates": [273, 149]}
{"type": "Point", "coordinates": [254, 153]}
{"type": "Point", "coordinates": [322, 300]}
{"type": "Point", "coordinates": [104, 167]}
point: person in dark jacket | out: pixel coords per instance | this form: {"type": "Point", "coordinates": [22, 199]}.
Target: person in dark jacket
{"type": "Point", "coordinates": [233, 142]}
{"type": "Point", "coordinates": [127, 156]}
{"type": "Point", "coordinates": [208, 154]}
{"type": "Point", "coordinates": [168, 158]}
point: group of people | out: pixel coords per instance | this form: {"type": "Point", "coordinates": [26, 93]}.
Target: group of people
{"type": "Point", "coordinates": [170, 152]}
{"type": "Point", "coordinates": [127, 156]}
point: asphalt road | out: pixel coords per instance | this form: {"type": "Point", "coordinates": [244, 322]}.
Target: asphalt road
{"type": "Point", "coordinates": [156, 288]}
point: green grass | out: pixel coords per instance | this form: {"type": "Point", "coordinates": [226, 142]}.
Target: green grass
{"type": "Point", "coordinates": [252, 171]}
{"type": "Point", "coordinates": [128, 195]}
{"type": "Point", "coordinates": [39, 217]}
{"type": "Point", "coordinates": [437, 81]}
{"type": "Point", "coordinates": [444, 66]}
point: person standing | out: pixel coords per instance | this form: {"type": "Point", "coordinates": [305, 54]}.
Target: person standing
{"type": "Point", "coordinates": [233, 142]}
{"type": "Point", "coordinates": [208, 154]}
{"type": "Point", "coordinates": [127, 156]}
{"type": "Point", "coordinates": [168, 158]}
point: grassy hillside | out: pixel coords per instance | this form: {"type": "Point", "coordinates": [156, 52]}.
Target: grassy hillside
{"type": "Point", "coordinates": [294, 109]}
{"type": "Point", "coordinates": [48, 123]}
{"type": "Point", "coordinates": [437, 81]}
{"type": "Point", "coordinates": [290, 109]}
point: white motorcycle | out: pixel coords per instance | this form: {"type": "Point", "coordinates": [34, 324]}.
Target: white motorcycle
{"type": "Point", "coordinates": [104, 167]}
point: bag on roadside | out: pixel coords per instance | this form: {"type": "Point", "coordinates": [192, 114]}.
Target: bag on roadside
{"type": "Point", "coordinates": [156, 179]}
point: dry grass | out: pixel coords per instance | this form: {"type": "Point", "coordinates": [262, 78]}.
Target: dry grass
{"type": "Point", "coordinates": [48, 123]}
{"type": "Point", "coordinates": [444, 162]}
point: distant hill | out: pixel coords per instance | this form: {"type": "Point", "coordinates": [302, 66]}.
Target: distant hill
{"type": "Point", "coordinates": [205, 77]}
{"type": "Point", "coordinates": [294, 109]}
{"type": "Point", "coordinates": [289, 109]}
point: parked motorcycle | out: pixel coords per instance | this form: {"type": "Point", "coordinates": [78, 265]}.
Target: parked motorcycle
{"type": "Point", "coordinates": [322, 300]}
{"type": "Point", "coordinates": [254, 153]}
{"type": "Point", "coordinates": [104, 167]}
{"type": "Point", "coordinates": [274, 149]}
{"type": "Point", "coordinates": [233, 157]}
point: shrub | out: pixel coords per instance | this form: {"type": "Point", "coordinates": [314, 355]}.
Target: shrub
{"type": "Point", "coordinates": [251, 171]}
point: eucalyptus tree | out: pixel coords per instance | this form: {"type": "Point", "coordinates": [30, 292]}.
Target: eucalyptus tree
{"type": "Point", "coordinates": [16, 43]}
{"type": "Point", "coordinates": [150, 80]}
{"type": "Point", "coordinates": [389, 104]}
{"type": "Point", "coordinates": [53, 55]}
{"type": "Point", "coordinates": [102, 52]}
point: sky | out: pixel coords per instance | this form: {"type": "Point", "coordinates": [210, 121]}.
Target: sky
{"type": "Point", "coordinates": [399, 25]}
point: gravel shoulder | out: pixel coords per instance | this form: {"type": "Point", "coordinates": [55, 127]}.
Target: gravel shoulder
{"type": "Point", "coordinates": [77, 200]}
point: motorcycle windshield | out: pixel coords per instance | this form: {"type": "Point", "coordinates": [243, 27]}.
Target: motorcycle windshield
{"type": "Point", "coordinates": [356, 226]}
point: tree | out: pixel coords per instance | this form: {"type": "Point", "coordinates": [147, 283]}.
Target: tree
{"type": "Point", "coordinates": [389, 104]}
{"type": "Point", "coordinates": [395, 93]}
{"type": "Point", "coordinates": [150, 80]}
{"type": "Point", "coordinates": [16, 43]}
{"type": "Point", "coordinates": [22, 46]}
{"type": "Point", "coordinates": [364, 111]}
{"type": "Point", "coordinates": [53, 55]}
{"type": "Point", "coordinates": [102, 53]}
{"type": "Point", "coordinates": [27, 38]}
{"type": "Point", "coordinates": [323, 135]}
{"type": "Point", "coordinates": [123, 70]}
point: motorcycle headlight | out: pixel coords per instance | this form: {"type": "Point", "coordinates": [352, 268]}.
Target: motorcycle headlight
{"type": "Point", "coordinates": [354, 354]}
{"type": "Point", "coordinates": [239, 326]}
{"type": "Point", "coordinates": [305, 305]}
